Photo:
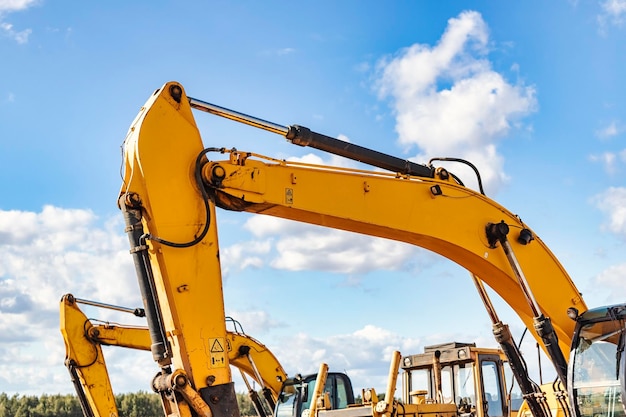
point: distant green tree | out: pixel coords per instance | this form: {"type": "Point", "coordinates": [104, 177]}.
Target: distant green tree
{"type": "Point", "coordinates": [138, 404]}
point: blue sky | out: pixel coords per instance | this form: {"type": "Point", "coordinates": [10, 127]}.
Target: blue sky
{"type": "Point", "coordinates": [532, 93]}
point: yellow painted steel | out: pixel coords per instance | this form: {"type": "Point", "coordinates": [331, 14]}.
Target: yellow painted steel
{"type": "Point", "coordinates": [159, 161]}
{"type": "Point", "coordinates": [159, 167]}
{"type": "Point", "coordinates": [318, 391]}
{"type": "Point", "coordinates": [437, 215]}
{"type": "Point", "coordinates": [87, 360]}
{"type": "Point", "coordinates": [269, 368]}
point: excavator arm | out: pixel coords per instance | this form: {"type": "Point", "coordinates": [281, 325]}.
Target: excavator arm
{"type": "Point", "coordinates": [172, 184]}
{"type": "Point", "coordinates": [435, 213]}
{"type": "Point", "coordinates": [85, 360]}
{"type": "Point", "coordinates": [441, 216]}
{"type": "Point", "coordinates": [174, 246]}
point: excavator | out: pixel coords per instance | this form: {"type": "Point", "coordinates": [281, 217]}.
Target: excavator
{"type": "Point", "coordinates": [433, 380]}
{"type": "Point", "coordinates": [172, 185]}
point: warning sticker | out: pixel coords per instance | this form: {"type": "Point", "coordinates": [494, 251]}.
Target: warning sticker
{"type": "Point", "coordinates": [217, 351]}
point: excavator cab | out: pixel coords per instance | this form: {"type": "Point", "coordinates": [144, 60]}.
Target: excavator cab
{"type": "Point", "coordinates": [457, 373]}
{"type": "Point", "coordinates": [596, 368]}
{"type": "Point", "coordinates": [297, 393]}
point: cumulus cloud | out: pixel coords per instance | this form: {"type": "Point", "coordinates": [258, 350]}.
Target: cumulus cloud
{"type": "Point", "coordinates": [365, 353]}
{"type": "Point", "coordinates": [244, 255]}
{"type": "Point", "coordinates": [299, 247]}
{"type": "Point", "coordinates": [10, 6]}
{"type": "Point", "coordinates": [448, 100]}
{"type": "Point", "coordinates": [340, 252]}
{"type": "Point", "coordinates": [45, 255]}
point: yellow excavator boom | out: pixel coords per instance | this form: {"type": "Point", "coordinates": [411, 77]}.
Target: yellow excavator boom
{"type": "Point", "coordinates": [172, 184]}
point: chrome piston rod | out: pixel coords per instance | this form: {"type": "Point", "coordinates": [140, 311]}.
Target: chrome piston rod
{"type": "Point", "coordinates": [139, 312]}
{"type": "Point", "coordinates": [237, 116]}
{"type": "Point", "coordinates": [543, 325]}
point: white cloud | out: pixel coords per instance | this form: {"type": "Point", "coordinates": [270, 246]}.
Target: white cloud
{"type": "Point", "coordinates": [612, 12]}
{"type": "Point", "coordinates": [365, 354]}
{"type": "Point", "coordinates": [243, 255]}
{"type": "Point", "coordinates": [10, 6]}
{"type": "Point", "coordinates": [15, 5]}
{"type": "Point", "coordinates": [449, 101]}
{"type": "Point", "coordinates": [340, 252]}
{"type": "Point", "coordinates": [19, 36]}
{"type": "Point", "coordinates": [612, 203]}
{"type": "Point", "coordinates": [57, 250]}
{"type": "Point", "coordinates": [310, 158]}
{"type": "Point", "coordinates": [264, 226]}
{"type": "Point", "coordinates": [300, 247]}
{"type": "Point", "coordinates": [45, 255]}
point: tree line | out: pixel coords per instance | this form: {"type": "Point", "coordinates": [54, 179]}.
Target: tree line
{"type": "Point", "coordinates": [139, 404]}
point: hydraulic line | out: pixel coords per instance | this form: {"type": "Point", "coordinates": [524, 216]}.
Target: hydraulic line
{"type": "Point", "coordinates": [80, 391]}
{"type": "Point", "coordinates": [543, 326]}
{"type": "Point", "coordinates": [205, 198]}
{"type": "Point", "coordinates": [531, 392]}
{"type": "Point", "coordinates": [245, 350]}
{"type": "Point", "coordinates": [254, 396]}
{"type": "Point", "coordinates": [136, 237]}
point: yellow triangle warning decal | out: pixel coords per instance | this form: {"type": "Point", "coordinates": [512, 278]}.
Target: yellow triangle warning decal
{"type": "Point", "coordinates": [217, 346]}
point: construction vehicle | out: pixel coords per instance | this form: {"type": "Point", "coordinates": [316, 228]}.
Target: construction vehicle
{"type": "Point", "coordinates": [172, 185]}
{"type": "Point", "coordinates": [451, 378]}
{"type": "Point", "coordinates": [458, 373]}
{"type": "Point", "coordinates": [454, 362]}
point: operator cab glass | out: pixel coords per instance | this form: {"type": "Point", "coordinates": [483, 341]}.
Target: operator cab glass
{"type": "Point", "coordinates": [474, 382]}
{"type": "Point", "coordinates": [596, 367]}
{"type": "Point", "coordinates": [297, 393]}
{"type": "Point", "coordinates": [287, 403]}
